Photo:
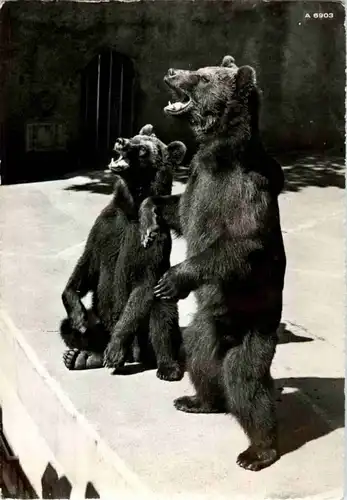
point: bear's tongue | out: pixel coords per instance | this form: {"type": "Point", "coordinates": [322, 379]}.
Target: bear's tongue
{"type": "Point", "coordinates": [177, 106]}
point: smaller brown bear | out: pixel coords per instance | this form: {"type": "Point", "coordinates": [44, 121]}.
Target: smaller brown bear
{"type": "Point", "coordinates": [121, 274]}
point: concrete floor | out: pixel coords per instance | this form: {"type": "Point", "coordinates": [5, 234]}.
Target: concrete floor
{"type": "Point", "coordinates": [43, 227]}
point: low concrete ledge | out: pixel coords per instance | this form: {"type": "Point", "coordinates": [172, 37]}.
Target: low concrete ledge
{"type": "Point", "coordinates": [53, 440]}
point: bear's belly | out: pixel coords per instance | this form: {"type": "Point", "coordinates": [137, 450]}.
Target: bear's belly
{"type": "Point", "coordinates": [230, 299]}
{"type": "Point", "coordinates": [210, 297]}
{"type": "Point", "coordinates": [201, 217]}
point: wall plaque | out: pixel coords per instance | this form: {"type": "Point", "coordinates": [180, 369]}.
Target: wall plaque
{"type": "Point", "coordinates": [45, 137]}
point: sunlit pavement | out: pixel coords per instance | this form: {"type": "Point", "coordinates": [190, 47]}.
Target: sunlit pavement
{"type": "Point", "coordinates": [43, 227]}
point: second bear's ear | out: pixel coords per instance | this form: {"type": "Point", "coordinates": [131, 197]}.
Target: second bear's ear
{"type": "Point", "coordinates": [228, 62]}
{"type": "Point", "coordinates": [246, 75]}
{"type": "Point", "coordinates": [176, 152]}
{"type": "Point", "coordinates": [147, 130]}
{"type": "Point", "coordinates": [245, 80]}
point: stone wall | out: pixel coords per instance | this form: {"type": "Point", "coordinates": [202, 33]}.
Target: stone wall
{"type": "Point", "coordinates": [299, 62]}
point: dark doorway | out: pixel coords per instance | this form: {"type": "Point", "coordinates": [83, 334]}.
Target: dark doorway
{"type": "Point", "coordinates": [107, 106]}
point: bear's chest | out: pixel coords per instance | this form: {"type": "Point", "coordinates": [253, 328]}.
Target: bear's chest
{"type": "Point", "coordinates": [202, 211]}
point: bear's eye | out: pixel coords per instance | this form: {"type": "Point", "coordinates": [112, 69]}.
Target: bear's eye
{"type": "Point", "coordinates": [142, 151]}
{"type": "Point", "coordinates": [205, 78]}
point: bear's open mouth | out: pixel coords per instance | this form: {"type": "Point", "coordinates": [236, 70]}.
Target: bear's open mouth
{"type": "Point", "coordinates": [118, 165]}
{"type": "Point", "coordinates": [181, 100]}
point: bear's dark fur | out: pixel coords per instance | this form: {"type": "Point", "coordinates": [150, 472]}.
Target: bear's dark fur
{"type": "Point", "coordinates": [235, 261]}
{"type": "Point", "coordinates": [121, 274]}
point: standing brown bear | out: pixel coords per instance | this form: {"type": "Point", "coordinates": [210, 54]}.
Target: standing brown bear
{"type": "Point", "coordinates": [235, 261]}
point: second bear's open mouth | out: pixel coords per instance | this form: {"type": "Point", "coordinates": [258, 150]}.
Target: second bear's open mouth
{"type": "Point", "coordinates": [181, 101]}
{"type": "Point", "coordinates": [119, 165]}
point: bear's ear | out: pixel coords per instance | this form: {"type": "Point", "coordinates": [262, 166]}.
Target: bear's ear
{"type": "Point", "coordinates": [228, 62]}
{"type": "Point", "coordinates": [147, 130]}
{"type": "Point", "coordinates": [246, 76]}
{"type": "Point", "coordinates": [245, 80]}
{"type": "Point", "coordinates": [176, 152]}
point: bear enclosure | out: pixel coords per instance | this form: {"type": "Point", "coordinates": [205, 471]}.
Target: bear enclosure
{"type": "Point", "coordinates": [75, 75]}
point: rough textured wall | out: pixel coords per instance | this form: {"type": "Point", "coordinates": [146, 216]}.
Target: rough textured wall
{"type": "Point", "coordinates": [300, 63]}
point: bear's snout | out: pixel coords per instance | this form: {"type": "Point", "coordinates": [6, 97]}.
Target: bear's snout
{"type": "Point", "coordinates": [180, 79]}
{"type": "Point", "coordinates": [176, 74]}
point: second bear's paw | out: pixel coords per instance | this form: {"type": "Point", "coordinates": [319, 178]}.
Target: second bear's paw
{"type": "Point", "coordinates": [114, 355]}
{"type": "Point", "coordinates": [79, 322]}
{"type": "Point", "coordinates": [149, 226]}
{"type": "Point", "coordinates": [149, 236]}
{"type": "Point", "coordinates": [170, 371]}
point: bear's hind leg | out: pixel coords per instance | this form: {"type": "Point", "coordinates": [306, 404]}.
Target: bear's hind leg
{"type": "Point", "coordinates": [250, 396]}
{"type": "Point", "coordinates": [85, 350]}
{"type": "Point", "coordinates": [142, 349]}
{"type": "Point", "coordinates": [74, 359]}
{"type": "Point", "coordinates": [166, 340]}
{"type": "Point", "coordinates": [204, 367]}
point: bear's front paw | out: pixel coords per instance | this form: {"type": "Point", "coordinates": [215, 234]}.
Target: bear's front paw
{"type": "Point", "coordinates": [149, 226]}
{"type": "Point", "coordinates": [115, 354]}
{"type": "Point", "coordinates": [148, 236]}
{"type": "Point", "coordinates": [170, 287]}
{"type": "Point", "coordinates": [79, 322]}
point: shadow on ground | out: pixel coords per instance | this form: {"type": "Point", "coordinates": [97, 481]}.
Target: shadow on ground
{"type": "Point", "coordinates": [308, 408]}
{"type": "Point", "coordinates": [131, 369]}
{"type": "Point", "coordinates": [301, 412]}
{"type": "Point", "coordinates": [56, 487]}
{"type": "Point", "coordinates": [101, 182]}
{"type": "Point", "coordinates": [285, 336]}
{"type": "Point", "coordinates": [300, 171]}
{"type": "Point", "coordinates": [313, 170]}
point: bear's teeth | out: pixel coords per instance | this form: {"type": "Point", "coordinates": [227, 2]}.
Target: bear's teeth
{"type": "Point", "coordinates": [176, 105]}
